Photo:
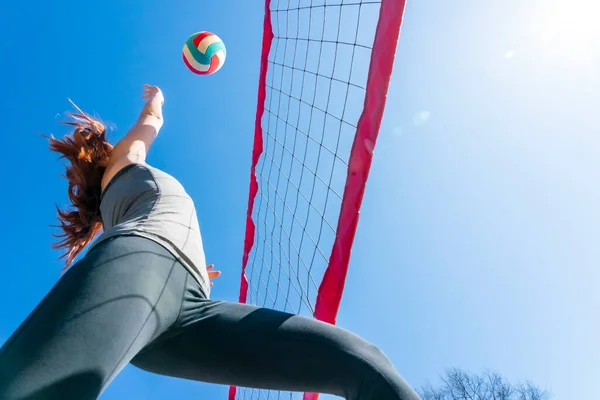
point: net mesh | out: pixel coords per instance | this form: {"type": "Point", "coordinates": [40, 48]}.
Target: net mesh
{"type": "Point", "coordinates": [315, 90]}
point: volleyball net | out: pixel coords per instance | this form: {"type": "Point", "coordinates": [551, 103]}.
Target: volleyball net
{"type": "Point", "coordinates": [325, 70]}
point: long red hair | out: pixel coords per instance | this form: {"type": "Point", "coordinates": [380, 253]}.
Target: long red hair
{"type": "Point", "coordinates": [88, 153]}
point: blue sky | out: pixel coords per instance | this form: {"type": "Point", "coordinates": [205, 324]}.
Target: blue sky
{"type": "Point", "coordinates": [477, 245]}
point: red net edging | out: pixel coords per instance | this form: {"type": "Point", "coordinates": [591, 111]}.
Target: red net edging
{"type": "Point", "coordinates": [380, 71]}
{"type": "Point", "coordinates": [258, 147]}
{"type": "Point", "coordinates": [291, 250]}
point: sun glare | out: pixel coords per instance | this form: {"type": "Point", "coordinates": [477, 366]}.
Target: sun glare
{"type": "Point", "coordinates": [568, 29]}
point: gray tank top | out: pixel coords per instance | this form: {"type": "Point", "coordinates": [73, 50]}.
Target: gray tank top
{"type": "Point", "coordinates": [144, 201]}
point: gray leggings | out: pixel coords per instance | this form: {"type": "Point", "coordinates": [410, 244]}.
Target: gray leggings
{"type": "Point", "coordinates": [129, 300]}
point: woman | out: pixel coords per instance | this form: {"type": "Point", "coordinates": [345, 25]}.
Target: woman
{"type": "Point", "coordinates": [141, 295]}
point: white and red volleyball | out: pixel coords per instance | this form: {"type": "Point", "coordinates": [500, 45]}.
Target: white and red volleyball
{"type": "Point", "coordinates": [204, 53]}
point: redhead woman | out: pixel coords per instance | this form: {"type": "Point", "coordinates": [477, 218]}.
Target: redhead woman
{"type": "Point", "coordinates": [141, 294]}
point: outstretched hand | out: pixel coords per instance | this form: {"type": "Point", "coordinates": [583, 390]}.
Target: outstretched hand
{"type": "Point", "coordinates": [153, 92]}
{"type": "Point", "coordinates": [212, 274]}
{"type": "Point", "coordinates": [154, 102]}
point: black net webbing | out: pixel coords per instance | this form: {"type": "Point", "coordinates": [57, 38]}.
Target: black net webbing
{"type": "Point", "coordinates": [316, 79]}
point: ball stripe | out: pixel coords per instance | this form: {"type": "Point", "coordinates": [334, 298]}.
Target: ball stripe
{"type": "Point", "coordinates": [187, 63]}
{"type": "Point", "coordinates": [195, 64]}
{"type": "Point", "coordinates": [200, 36]}
{"type": "Point", "coordinates": [214, 48]}
{"type": "Point", "coordinates": [221, 56]}
{"type": "Point", "coordinates": [195, 53]}
{"type": "Point", "coordinates": [214, 65]}
{"type": "Point", "coordinates": [207, 42]}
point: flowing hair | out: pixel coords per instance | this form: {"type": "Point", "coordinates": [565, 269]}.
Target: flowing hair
{"type": "Point", "coordinates": [88, 153]}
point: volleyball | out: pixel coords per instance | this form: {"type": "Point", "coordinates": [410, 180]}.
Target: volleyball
{"type": "Point", "coordinates": [204, 53]}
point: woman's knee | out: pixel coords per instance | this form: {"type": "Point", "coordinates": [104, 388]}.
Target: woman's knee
{"type": "Point", "coordinates": [374, 374]}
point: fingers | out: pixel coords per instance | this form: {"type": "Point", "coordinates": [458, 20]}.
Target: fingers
{"type": "Point", "coordinates": [151, 91]}
{"type": "Point", "coordinates": [212, 274]}
{"type": "Point", "coordinates": [151, 88]}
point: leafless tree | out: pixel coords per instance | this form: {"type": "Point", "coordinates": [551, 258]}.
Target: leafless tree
{"type": "Point", "coordinates": [460, 385]}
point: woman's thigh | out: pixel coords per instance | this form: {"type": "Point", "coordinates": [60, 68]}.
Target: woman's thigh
{"type": "Point", "coordinates": [242, 345]}
{"type": "Point", "coordinates": [108, 306]}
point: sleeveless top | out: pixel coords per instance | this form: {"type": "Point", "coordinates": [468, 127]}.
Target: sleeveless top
{"type": "Point", "coordinates": [143, 201]}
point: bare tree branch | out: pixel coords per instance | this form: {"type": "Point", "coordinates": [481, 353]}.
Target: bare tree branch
{"type": "Point", "coordinates": [457, 384]}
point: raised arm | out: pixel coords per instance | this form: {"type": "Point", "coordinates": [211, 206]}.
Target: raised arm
{"type": "Point", "coordinates": [135, 145]}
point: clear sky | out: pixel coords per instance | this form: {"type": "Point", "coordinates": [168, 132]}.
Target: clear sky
{"type": "Point", "coordinates": [477, 246]}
